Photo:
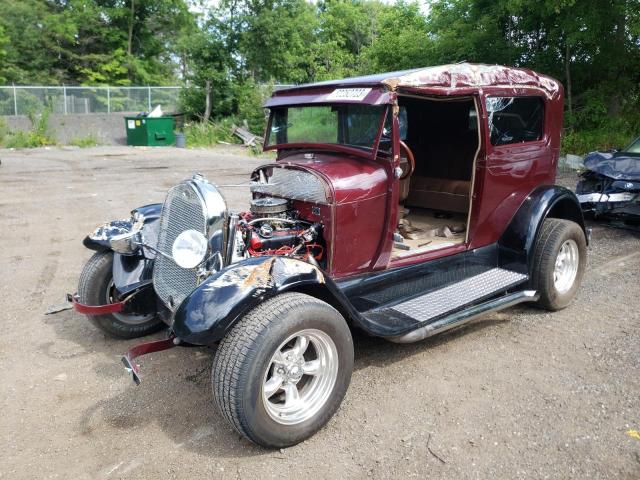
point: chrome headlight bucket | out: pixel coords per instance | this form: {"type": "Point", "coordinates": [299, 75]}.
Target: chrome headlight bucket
{"type": "Point", "coordinates": [122, 236]}
{"type": "Point", "coordinates": [126, 243]}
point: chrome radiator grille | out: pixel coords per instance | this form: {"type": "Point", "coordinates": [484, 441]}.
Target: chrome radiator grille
{"type": "Point", "coordinates": [182, 210]}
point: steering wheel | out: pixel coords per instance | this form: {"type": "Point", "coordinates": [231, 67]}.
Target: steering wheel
{"type": "Point", "coordinates": [404, 149]}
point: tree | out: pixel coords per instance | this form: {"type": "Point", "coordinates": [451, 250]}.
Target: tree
{"type": "Point", "coordinates": [209, 72]}
{"type": "Point", "coordinates": [346, 28]}
{"type": "Point", "coordinates": [4, 41]}
{"type": "Point", "coordinates": [402, 40]}
{"type": "Point", "coordinates": [92, 41]}
{"type": "Point", "coordinates": [277, 41]}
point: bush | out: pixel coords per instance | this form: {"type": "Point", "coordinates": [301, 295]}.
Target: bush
{"type": "Point", "coordinates": [206, 134]}
{"type": "Point", "coordinates": [250, 98]}
{"type": "Point", "coordinates": [4, 130]}
{"type": "Point", "coordinates": [192, 100]}
{"type": "Point", "coordinates": [90, 140]}
{"type": "Point", "coordinates": [612, 133]}
{"type": "Point", "coordinates": [38, 136]}
{"type": "Point", "coordinates": [243, 101]}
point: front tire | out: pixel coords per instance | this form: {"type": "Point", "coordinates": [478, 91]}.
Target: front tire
{"type": "Point", "coordinates": [558, 263]}
{"type": "Point", "coordinates": [96, 287]}
{"type": "Point", "coordinates": [281, 373]}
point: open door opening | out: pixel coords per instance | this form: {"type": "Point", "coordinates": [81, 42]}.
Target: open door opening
{"type": "Point", "coordinates": [442, 136]}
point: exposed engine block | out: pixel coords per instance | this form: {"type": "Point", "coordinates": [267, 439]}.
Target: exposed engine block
{"type": "Point", "coordinates": [273, 228]}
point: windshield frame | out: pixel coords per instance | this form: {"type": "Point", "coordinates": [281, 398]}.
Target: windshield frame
{"type": "Point", "coordinates": [361, 151]}
{"type": "Point", "coordinates": [626, 149]}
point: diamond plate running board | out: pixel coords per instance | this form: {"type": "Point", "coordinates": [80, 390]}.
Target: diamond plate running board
{"type": "Point", "coordinates": [448, 299]}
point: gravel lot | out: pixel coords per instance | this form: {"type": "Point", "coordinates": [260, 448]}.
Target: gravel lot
{"type": "Point", "coordinates": [521, 394]}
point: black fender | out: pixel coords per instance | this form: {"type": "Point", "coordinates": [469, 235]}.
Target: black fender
{"type": "Point", "coordinates": [518, 241]}
{"type": "Point", "coordinates": [100, 238]}
{"type": "Point", "coordinates": [130, 271]}
{"type": "Point", "coordinates": [211, 310]}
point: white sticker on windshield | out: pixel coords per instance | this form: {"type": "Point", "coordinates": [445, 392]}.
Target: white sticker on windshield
{"type": "Point", "coordinates": [355, 94]}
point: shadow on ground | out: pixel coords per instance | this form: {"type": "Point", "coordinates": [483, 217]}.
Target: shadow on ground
{"type": "Point", "coordinates": [175, 393]}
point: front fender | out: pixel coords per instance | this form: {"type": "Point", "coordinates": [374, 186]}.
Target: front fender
{"type": "Point", "coordinates": [130, 271]}
{"type": "Point", "coordinates": [206, 315]}
{"type": "Point", "coordinates": [518, 240]}
{"type": "Point", "coordinates": [100, 239]}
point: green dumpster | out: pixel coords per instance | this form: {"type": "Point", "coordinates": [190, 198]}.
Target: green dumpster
{"type": "Point", "coordinates": [152, 132]}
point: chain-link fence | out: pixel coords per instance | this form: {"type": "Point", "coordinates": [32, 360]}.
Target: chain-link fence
{"type": "Point", "coordinates": [21, 100]}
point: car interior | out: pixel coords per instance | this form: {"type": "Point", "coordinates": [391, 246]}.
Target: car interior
{"type": "Point", "coordinates": [439, 144]}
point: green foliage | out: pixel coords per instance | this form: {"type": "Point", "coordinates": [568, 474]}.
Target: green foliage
{"type": "Point", "coordinates": [4, 130]}
{"type": "Point", "coordinates": [87, 141]}
{"type": "Point", "coordinates": [609, 133]}
{"type": "Point", "coordinates": [206, 134]}
{"type": "Point", "coordinates": [402, 42]}
{"type": "Point", "coordinates": [250, 99]}
{"type": "Point", "coordinates": [38, 136]}
{"type": "Point", "coordinates": [227, 50]}
{"type": "Point", "coordinates": [277, 41]}
{"type": "Point", "coordinates": [90, 41]}
{"type": "Point", "coordinates": [4, 41]}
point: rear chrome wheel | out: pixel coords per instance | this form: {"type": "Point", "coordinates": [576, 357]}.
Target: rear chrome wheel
{"type": "Point", "coordinates": [558, 262]}
{"type": "Point", "coordinates": [300, 377]}
{"type": "Point", "coordinates": [282, 371]}
{"type": "Point", "coordinates": [566, 266]}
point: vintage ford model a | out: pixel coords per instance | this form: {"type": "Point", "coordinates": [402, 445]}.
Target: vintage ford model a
{"type": "Point", "coordinates": [401, 204]}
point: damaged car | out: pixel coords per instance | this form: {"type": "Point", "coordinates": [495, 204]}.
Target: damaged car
{"type": "Point", "coordinates": [610, 186]}
{"type": "Point", "coordinates": [402, 204]}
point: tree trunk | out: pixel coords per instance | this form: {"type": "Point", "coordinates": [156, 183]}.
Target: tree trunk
{"type": "Point", "coordinates": [567, 73]}
{"type": "Point", "coordinates": [207, 100]}
{"type": "Point", "coordinates": [131, 21]}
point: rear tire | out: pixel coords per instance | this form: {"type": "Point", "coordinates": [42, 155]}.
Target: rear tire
{"type": "Point", "coordinates": [95, 287]}
{"type": "Point", "coordinates": [558, 262]}
{"type": "Point", "coordinates": [273, 386]}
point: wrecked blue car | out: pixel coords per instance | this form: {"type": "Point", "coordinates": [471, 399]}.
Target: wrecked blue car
{"type": "Point", "coordinates": [610, 186]}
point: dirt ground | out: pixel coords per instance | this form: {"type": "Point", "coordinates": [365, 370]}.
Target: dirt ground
{"type": "Point", "coordinates": [521, 394]}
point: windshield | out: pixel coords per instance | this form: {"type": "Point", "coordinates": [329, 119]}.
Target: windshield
{"type": "Point", "coordinates": [634, 147]}
{"type": "Point", "coordinates": [349, 125]}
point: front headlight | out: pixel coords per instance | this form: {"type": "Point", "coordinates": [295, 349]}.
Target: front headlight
{"type": "Point", "coordinates": [189, 249]}
{"type": "Point", "coordinates": [123, 235]}
{"type": "Point", "coordinates": [626, 185]}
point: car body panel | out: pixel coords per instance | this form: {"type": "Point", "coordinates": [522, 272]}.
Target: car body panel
{"type": "Point", "coordinates": [512, 194]}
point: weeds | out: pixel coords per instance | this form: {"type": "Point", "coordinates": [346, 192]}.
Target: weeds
{"type": "Point", "coordinates": [581, 142]}
{"type": "Point", "coordinates": [206, 134]}
{"type": "Point", "coordinates": [4, 130]}
{"type": "Point", "coordinates": [90, 140]}
{"type": "Point", "coordinates": [38, 136]}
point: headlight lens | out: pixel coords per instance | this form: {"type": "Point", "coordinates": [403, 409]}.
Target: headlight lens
{"type": "Point", "coordinates": [189, 249]}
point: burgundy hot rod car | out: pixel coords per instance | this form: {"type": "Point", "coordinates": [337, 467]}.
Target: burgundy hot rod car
{"type": "Point", "coordinates": [402, 204]}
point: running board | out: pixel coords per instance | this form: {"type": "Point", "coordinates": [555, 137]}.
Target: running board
{"type": "Point", "coordinates": [465, 316]}
{"type": "Point", "coordinates": [434, 304]}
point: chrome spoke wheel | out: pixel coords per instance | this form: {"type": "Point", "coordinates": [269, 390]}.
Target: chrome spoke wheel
{"type": "Point", "coordinates": [566, 266]}
{"type": "Point", "coordinates": [300, 377]}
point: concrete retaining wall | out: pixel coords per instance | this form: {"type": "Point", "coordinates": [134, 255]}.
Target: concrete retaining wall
{"type": "Point", "coordinates": [109, 129]}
